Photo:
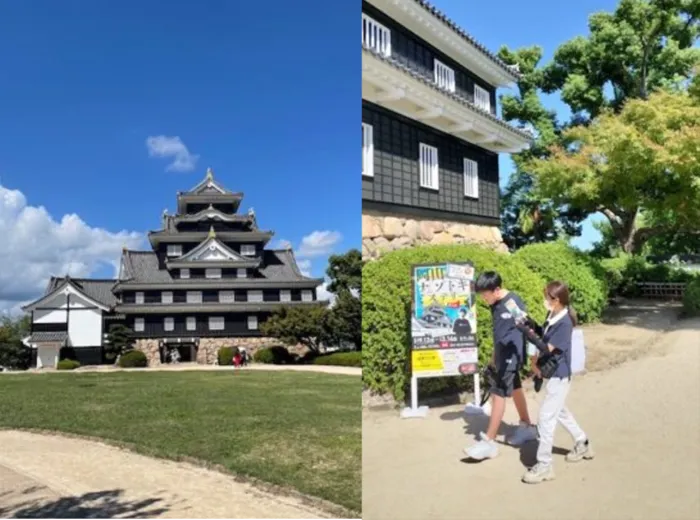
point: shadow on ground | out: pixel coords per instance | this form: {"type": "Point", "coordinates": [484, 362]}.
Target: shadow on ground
{"type": "Point", "coordinates": [99, 504]}
{"type": "Point", "coordinates": [475, 424]}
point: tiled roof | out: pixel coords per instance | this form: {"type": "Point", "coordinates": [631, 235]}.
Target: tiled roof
{"type": "Point", "coordinates": [456, 28]}
{"type": "Point", "coordinates": [142, 267]}
{"type": "Point", "coordinates": [45, 337]}
{"type": "Point", "coordinates": [460, 99]}
{"type": "Point", "coordinates": [98, 290]}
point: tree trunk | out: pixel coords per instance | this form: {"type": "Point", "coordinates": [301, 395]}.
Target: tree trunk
{"type": "Point", "coordinates": [623, 225]}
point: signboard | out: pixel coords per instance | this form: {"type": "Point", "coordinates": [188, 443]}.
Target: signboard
{"type": "Point", "coordinates": [443, 321]}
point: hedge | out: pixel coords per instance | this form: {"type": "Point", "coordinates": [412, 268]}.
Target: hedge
{"type": "Point", "coordinates": [585, 278]}
{"type": "Point", "coordinates": [225, 355]}
{"type": "Point", "coordinates": [67, 364]}
{"type": "Point", "coordinates": [625, 271]}
{"type": "Point", "coordinates": [386, 308]}
{"type": "Point", "coordinates": [273, 356]}
{"type": "Point", "coordinates": [691, 298]}
{"type": "Point", "coordinates": [133, 359]}
{"type": "Point", "coordinates": [343, 359]}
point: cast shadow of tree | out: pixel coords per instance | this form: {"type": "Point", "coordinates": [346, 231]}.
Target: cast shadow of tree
{"type": "Point", "coordinates": [99, 504]}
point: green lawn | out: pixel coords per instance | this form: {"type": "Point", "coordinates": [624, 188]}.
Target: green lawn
{"type": "Point", "coordinates": [298, 430]}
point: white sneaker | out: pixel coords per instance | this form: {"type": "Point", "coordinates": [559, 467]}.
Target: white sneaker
{"type": "Point", "coordinates": [524, 433]}
{"type": "Point", "coordinates": [539, 473]}
{"type": "Point", "coordinates": [484, 449]}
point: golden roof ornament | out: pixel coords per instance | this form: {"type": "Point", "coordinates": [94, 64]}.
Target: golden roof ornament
{"type": "Point", "coordinates": [210, 174]}
{"type": "Point", "coordinates": [212, 233]}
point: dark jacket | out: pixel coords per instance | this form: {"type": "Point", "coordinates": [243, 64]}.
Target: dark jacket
{"type": "Point", "coordinates": [508, 341]}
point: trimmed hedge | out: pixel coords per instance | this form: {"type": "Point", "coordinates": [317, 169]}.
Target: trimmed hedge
{"type": "Point", "coordinates": [343, 359]}
{"type": "Point", "coordinates": [585, 278]}
{"type": "Point", "coordinates": [691, 298]}
{"type": "Point", "coordinates": [67, 364]}
{"type": "Point", "coordinates": [133, 359]}
{"type": "Point", "coordinates": [225, 355]}
{"type": "Point", "coordinates": [273, 356]}
{"type": "Point", "coordinates": [386, 312]}
{"type": "Point", "coordinates": [625, 271]}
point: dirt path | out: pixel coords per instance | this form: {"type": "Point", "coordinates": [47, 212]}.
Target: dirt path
{"type": "Point", "coordinates": [643, 418]}
{"type": "Point", "coordinates": [44, 476]}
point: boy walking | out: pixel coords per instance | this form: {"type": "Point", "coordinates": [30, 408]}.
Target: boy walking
{"type": "Point", "coordinates": [508, 356]}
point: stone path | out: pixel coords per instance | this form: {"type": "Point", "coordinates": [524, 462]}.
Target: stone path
{"type": "Point", "coordinates": [46, 476]}
{"type": "Point", "coordinates": [643, 417]}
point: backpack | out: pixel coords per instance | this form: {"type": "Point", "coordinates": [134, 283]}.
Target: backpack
{"type": "Point", "coordinates": [578, 351]}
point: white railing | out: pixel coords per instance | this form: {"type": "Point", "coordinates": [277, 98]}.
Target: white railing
{"type": "Point", "coordinates": [444, 76]}
{"type": "Point", "coordinates": [375, 36]}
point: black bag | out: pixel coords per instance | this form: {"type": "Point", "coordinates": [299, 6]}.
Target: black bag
{"type": "Point", "coordinates": [548, 363]}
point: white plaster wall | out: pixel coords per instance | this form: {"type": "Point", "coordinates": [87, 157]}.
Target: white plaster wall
{"type": "Point", "coordinates": [47, 357]}
{"type": "Point", "coordinates": [85, 328]}
{"type": "Point", "coordinates": [54, 316]}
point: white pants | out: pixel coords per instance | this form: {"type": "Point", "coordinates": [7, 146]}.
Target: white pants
{"type": "Point", "coordinates": [554, 409]}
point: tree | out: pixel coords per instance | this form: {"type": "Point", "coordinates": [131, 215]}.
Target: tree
{"type": "Point", "coordinates": [13, 353]}
{"type": "Point", "coordinates": [645, 158]}
{"type": "Point", "coordinates": [642, 46]}
{"type": "Point", "coordinates": [119, 340]}
{"type": "Point", "coordinates": [345, 272]}
{"type": "Point", "coordinates": [344, 321]}
{"type": "Point", "coordinates": [298, 325]}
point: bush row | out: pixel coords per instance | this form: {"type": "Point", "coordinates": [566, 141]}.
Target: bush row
{"type": "Point", "coordinates": [624, 272]}
{"type": "Point", "coordinates": [691, 298]}
{"type": "Point", "coordinates": [343, 359]}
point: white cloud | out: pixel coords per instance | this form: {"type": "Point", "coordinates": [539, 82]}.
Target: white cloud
{"type": "Point", "coordinates": [319, 243]}
{"type": "Point", "coordinates": [172, 148]}
{"type": "Point", "coordinates": [305, 266]}
{"type": "Point", "coordinates": [280, 244]}
{"type": "Point", "coordinates": [35, 247]}
{"type": "Point", "coordinates": [322, 293]}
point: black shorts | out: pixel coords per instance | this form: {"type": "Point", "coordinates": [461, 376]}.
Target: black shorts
{"type": "Point", "coordinates": [505, 382]}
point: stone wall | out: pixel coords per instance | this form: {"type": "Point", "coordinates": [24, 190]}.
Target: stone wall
{"type": "Point", "coordinates": [382, 233]}
{"type": "Point", "coordinates": [209, 348]}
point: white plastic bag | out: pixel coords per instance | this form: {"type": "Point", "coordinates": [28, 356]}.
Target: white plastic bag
{"type": "Point", "coordinates": [578, 352]}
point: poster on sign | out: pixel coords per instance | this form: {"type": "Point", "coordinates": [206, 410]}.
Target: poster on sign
{"type": "Point", "coordinates": [443, 321]}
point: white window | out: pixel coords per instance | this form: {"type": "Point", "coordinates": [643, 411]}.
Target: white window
{"type": "Point", "coordinates": [191, 323]}
{"type": "Point", "coordinates": [255, 296]}
{"type": "Point", "coordinates": [375, 36]}
{"type": "Point", "coordinates": [285, 295]}
{"type": "Point", "coordinates": [428, 159]}
{"type": "Point", "coordinates": [226, 297]}
{"type": "Point", "coordinates": [216, 323]}
{"type": "Point", "coordinates": [169, 324]}
{"type": "Point", "coordinates": [139, 298]}
{"type": "Point", "coordinates": [253, 322]}
{"type": "Point", "coordinates": [471, 178]}
{"type": "Point", "coordinates": [184, 273]}
{"type": "Point", "coordinates": [139, 325]}
{"type": "Point", "coordinates": [194, 296]}
{"type": "Point", "coordinates": [241, 273]}
{"type": "Point", "coordinates": [367, 150]}
{"type": "Point", "coordinates": [307, 296]}
{"type": "Point", "coordinates": [444, 76]}
{"type": "Point", "coordinates": [482, 98]}
{"type": "Point", "coordinates": [248, 250]}
{"type": "Point", "coordinates": [212, 273]}
{"type": "Point", "coordinates": [174, 250]}
{"type": "Point", "coordinates": [166, 297]}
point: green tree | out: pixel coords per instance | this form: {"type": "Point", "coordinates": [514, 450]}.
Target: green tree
{"type": "Point", "coordinates": [13, 353]}
{"type": "Point", "coordinates": [119, 340]}
{"type": "Point", "coordinates": [294, 325]}
{"type": "Point", "coordinates": [344, 321]}
{"type": "Point", "coordinates": [643, 159]}
{"type": "Point", "coordinates": [640, 47]}
{"type": "Point", "coordinates": [345, 272]}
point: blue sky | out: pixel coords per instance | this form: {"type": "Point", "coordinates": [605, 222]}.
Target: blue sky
{"type": "Point", "coordinates": [268, 97]}
{"type": "Point", "coordinates": [547, 23]}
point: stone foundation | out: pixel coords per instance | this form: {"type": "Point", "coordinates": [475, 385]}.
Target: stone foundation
{"type": "Point", "coordinates": [382, 233]}
{"type": "Point", "coordinates": [209, 348]}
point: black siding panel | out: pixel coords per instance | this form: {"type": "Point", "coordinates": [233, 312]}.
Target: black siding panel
{"type": "Point", "coordinates": [396, 168]}
{"type": "Point", "coordinates": [236, 324]}
{"type": "Point", "coordinates": [90, 355]}
{"type": "Point", "coordinates": [419, 55]}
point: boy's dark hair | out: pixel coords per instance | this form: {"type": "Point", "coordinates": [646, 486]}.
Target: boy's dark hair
{"type": "Point", "coordinates": [462, 310]}
{"type": "Point", "coordinates": [488, 281]}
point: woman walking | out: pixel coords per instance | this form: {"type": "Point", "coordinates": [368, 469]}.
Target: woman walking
{"type": "Point", "coordinates": [553, 363]}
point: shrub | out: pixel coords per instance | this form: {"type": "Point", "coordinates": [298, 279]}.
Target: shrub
{"type": "Point", "coordinates": [386, 312]}
{"type": "Point", "coordinates": [67, 364]}
{"type": "Point", "coordinates": [343, 359]}
{"type": "Point", "coordinates": [559, 261]}
{"type": "Point", "coordinates": [225, 355]}
{"type": "Point", "coordinates": [624, 272]}
{"type": "Point", "coordinates": [133, 359]}
{"type": "Point", "coordinates": [691, 298]}
{"type": "Point", "coordinates": [67, 353]}
{"type": "Point", "coordinates": [273, 356]}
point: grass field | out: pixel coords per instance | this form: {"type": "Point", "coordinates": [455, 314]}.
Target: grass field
{"type": "Point", "coordinates": [297, 430]}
